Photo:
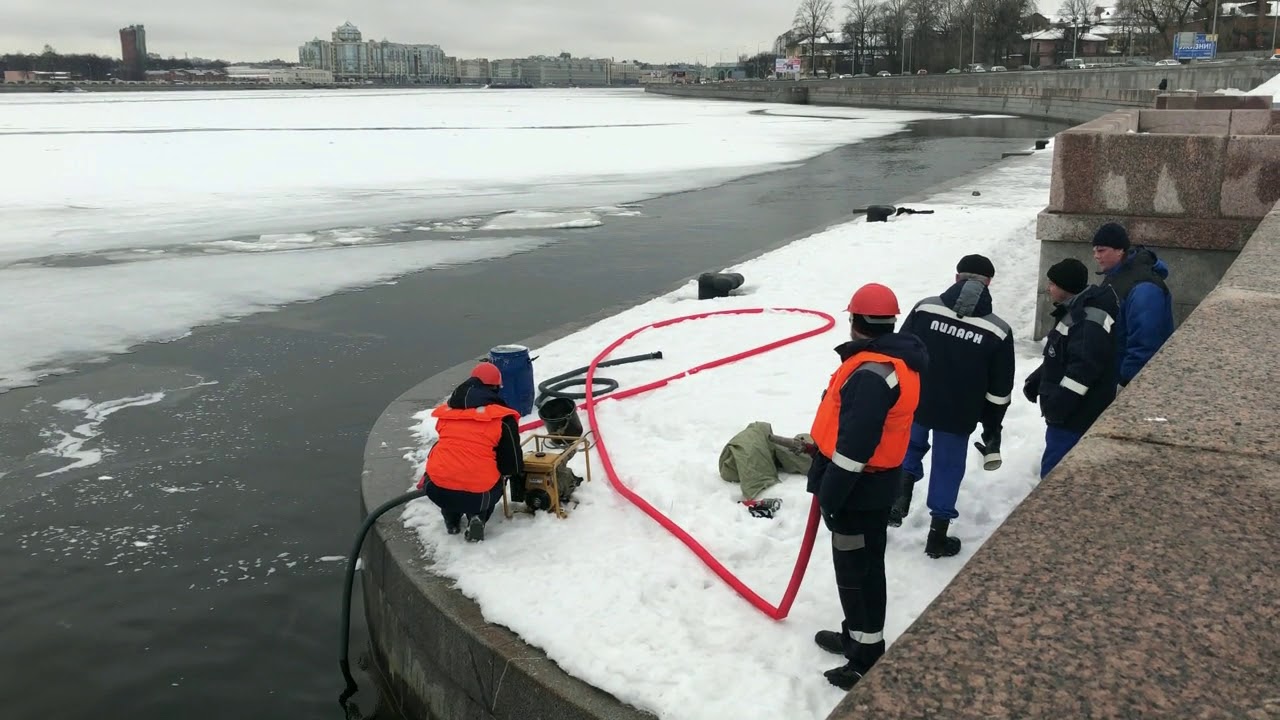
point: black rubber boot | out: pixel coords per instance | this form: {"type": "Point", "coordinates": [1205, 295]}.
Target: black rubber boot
{"type": "Point", "coordinates": [830, 640]}
{"type": "Point", "coordinates": [902, 506]}
{"type": "Point", "coordinates": [939, 545]}
{"type": "Point", "coordinates": [475, 529]}
{"type": "Point", "coordinates": [844, 677]}
{"type": "Point", "coordinates": [453, 522]}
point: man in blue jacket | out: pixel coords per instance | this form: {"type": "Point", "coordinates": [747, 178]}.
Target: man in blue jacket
{"type": "Point", "coordinates": [1137, 277]}
{"type": "Point", "coordinates": [969, 380]}
{"type": "Point", "coordinates": [1077, 379]}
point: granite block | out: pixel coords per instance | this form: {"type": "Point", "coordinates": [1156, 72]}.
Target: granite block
{"type": "Point", "coordinates": [1211, 387]}
{"type": "Point", "coordinates": [1138, 174]}
{"type": "Point", "coordinates": [1185, 122]}
{"type": "Point", "coordinates": [1258, 266]}
{"type": "Point", "coordinates": [1251, 177]}
{"type": "Point", "coordinates": [1191, 233]}
{"type": "Point", "coordinates": [1194, 274]}
{"type": "Point", "coordinates": [1136, 581]}
{"type": "Point", "coordinates": [1214, 101]}
{"type": "Point", "coordinates": [1185, 101]}
{"type": "Point", "coordinates": [1255, 122]}
{"type": "Point", "coordinates": [1175, 100]}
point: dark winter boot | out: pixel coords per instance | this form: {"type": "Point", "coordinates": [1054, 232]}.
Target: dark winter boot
{"type": "Point", "coordinates": [902, 506]}
{"type": "Point", "coordinates": [475, 529]}
{"type": "Point", "coordinates": [452, 522]}
{"type": "Point", "coordinates": [939, 545]}
{"type": "Point", "coordinates": [830, 640]}
{"type": "Point", "coordinates": [844, 677]}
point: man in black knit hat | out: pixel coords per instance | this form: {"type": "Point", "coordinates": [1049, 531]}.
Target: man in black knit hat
{"type": "Point", "coordinates": [1076, 381]}
{"type": "Point", "coordinates": [1137, 276]}
{"type": "Point", "coordinates": [969, 380]}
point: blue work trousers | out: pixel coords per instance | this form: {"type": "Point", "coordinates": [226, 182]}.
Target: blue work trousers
{"type": "Point", "coordinates": [946, 471]}
{"type": "Point", "coordinates": [1057, 443]}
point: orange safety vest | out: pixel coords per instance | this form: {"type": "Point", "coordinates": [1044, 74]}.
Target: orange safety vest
{"type": "Point", "coordinates": [464, 457]}
{"type": "Point", "coordinates": [897, 425]}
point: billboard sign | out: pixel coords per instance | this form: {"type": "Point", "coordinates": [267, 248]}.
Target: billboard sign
{"type": "Point", "coordinates": [1195, 46]}
{"type": "Point", "coordinates": [783, 66]}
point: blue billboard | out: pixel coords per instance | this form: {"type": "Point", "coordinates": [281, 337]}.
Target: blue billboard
{"type": "Point", "coordinates": [1195, 46]}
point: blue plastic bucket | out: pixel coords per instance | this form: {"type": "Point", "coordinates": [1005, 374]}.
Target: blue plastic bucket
{"type": "Point", "coordinates": [517, 376]}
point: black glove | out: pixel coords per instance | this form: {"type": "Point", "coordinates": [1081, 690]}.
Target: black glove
{"type": "Point", "coordinates": [990, 449]}
{"type": "Point", "coordinates": [1031, 388]}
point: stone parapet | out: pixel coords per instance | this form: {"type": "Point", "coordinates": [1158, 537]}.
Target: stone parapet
{"type": "Point", "coordinates": [1138, 579]}
{"type": "Point", "coordinates": [1073, 96]}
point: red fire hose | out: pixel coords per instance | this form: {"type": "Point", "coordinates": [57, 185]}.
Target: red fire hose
{"type": "Point", "coordinates": [781, 610]}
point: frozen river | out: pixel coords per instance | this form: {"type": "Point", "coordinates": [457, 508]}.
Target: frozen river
{"type": "Point", "coordinates": [168, 515]}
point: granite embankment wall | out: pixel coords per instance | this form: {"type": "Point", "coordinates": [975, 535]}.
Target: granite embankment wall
{"type": "Point", "coordinates": [1074, 96]}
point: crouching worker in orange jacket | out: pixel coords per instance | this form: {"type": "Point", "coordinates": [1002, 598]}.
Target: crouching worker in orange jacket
{"type": "Point", "coordinates": [861, 432]}
{"type": "Point", "coordinates": [478, 450]}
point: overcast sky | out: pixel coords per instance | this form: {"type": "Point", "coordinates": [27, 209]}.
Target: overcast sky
{"type": "Point", "coordinates": [648, 30]}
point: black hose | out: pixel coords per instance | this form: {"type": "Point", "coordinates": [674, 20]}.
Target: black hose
{"type": "Point", "coordinates": [343, 652]}
{"type": "Point", "coordinates": [554, 387]}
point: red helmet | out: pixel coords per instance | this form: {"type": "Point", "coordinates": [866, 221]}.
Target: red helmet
{"type": "Point", "coordinates": [873, 299]}
{"type": "Point", "coordinates": [487, 373]}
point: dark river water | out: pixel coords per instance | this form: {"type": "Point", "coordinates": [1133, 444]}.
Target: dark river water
{"type": "Point", "coordinates": [193, 571]}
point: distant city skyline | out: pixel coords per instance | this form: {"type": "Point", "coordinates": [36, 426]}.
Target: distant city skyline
{"type": "Point", "coordinates": [654, 31]}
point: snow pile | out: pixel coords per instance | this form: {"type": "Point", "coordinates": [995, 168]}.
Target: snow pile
{"type": "Point", "coordinates": [646, 620]}
{"type": "Point", "coordinates": [1270, 87]}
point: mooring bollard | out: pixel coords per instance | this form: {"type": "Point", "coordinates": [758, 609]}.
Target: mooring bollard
{"type": "Point", "coordinates": [880, 213]}
{"type": "Point", "coordinates": [717, 285]}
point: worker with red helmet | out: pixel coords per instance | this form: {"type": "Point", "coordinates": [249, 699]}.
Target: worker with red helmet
{"type": "Point", "coordinates": [861, 431]}
{"type": "Point", "coordinates": [478, 449]}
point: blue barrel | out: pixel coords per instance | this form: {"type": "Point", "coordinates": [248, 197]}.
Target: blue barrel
{"type": "Point", "coordinates": [517, 376]}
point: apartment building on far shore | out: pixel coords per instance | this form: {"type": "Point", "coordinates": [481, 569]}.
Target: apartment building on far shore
{"type": "Point", "coordinates": [351, 58]}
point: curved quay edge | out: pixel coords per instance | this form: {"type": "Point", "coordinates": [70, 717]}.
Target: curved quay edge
{"type": "Point", "coordinates": [435, 654]}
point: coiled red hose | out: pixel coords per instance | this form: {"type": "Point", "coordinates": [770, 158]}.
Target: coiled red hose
{"type": "Point", "coordinates": [779, 611]}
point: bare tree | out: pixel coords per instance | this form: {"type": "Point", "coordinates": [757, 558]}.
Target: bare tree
{"type": "Point", "coordinates": [923, 16]}
{"type": "Point", "coordinates": [954, 22]}
{"type": "Point", "coordinates": [1005, 27]}
{"type": "Point", "coordinates": [1077, 15]}
{"type": "Point", "coordinates": [1126, 19]}
{"type": "Point", "coordinates": [895, 24]}
{"type": "Point", "coordinates": [813, 19]}
{"type": "Point", "coordinates": [1166, 17]}
{"type": "Point", "coordinates": [860, 14]}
